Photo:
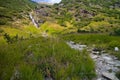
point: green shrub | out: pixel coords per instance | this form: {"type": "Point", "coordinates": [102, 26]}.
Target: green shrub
{"type": "Point", "coordinates": [3, 21]}
{"type": "Point", "coordinates": [118, 75]}
{"type": "Point", "coordinates": [117, 31]}
{"type": "Point", "coordinates": [113, 44]}
{"type": "Point", "coordinates": [10, 39]}
{"type": "Point", "coordinates": [7, 38]}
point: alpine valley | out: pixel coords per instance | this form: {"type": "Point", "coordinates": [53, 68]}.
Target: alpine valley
{"type": "Point", "coordinates": [70, 40]}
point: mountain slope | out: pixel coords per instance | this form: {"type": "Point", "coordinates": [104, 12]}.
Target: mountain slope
{"type": "Point", "coordinates": [14, 19]}
{"type": "Point", "coordinates": [81, 14]}
{"type": "Point", "coordinates": [11, 9]}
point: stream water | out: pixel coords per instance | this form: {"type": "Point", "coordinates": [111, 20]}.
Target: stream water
{"type": "Point", "coordinates": [33, 20]}
{"type": "Point", "coordinates": [106, 65]}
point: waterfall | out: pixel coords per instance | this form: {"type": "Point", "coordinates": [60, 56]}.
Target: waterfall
{"type": "Point", "coordinates": [33, 21]}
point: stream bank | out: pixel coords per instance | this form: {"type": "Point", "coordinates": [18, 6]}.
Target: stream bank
{"type": "Point", "coordinates": [106, 65]}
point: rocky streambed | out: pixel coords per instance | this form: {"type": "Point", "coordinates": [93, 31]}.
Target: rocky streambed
{"type": "Point", "coordinates": [106, 65]}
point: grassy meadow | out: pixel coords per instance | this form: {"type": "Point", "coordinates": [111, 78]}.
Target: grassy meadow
{"type": "Point", "coordinates": [37, 58]}
{"type": "Point", "coordinates": [102, 41]}
{"type": "Point", "coordinates": [34, 57]}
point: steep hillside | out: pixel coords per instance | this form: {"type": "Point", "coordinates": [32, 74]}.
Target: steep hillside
{"type": "Point", "coordinates": [77, 15]}
{"type": "Point", "coordinates": [10, 10]}
{"type": "Point", "coordinates": [84, 15]}
{"type": "Point", "coordinates": [14, 19]}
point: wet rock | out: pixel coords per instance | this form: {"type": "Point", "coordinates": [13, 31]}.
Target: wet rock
{"type": "Point", "coordinates": [79, 47]}
{"type": "Point", "coordinates": [111, 62]}
{"type": "Point", "coordinates": [104, 63]}
{"type": "Point", "coordinates": [94, 56]}
{"type": "Point", "coordinates": [116, 49]}
{"type": "Point", "coordinates": [71, 42]}
{"type": "Point", "coordinates": [110, 76]}
{"type": "Point", "coordinates": [96, 52]}
{"type": "Point", "coordinates": [82, 46]}
{"type": "Point", "coordinates": [103, 51]}
{"type": "Point", "coordinates": [107, 58]}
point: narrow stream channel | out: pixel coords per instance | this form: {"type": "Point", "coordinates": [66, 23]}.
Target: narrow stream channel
{"type": "Point", "coordinates": [106, 64]}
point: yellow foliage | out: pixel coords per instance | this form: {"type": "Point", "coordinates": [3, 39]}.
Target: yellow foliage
{"type": "Point", "coordinates": [51, 28]}
{"type": "Point", "coordinates": [97, 26]}
{"type": "Point", "coordinates": [2, 40]}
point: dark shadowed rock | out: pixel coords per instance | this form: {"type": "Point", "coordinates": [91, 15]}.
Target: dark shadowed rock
{"type": "Point", "coordinates": [110, 76]}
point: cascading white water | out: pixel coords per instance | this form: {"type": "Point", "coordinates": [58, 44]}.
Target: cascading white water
{"type": "Point", "coordinates": [33, 20]}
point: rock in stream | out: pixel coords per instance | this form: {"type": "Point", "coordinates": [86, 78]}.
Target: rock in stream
{"type": "Point", "coordinates": [106, 65]}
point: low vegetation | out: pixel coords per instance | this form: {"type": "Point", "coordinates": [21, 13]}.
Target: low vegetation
{"type": "Point", "coordinates": [44, 57]}
{"type": "Point", "coordinates": [102, 41]}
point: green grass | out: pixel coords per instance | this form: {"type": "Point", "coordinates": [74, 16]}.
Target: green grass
{"type": "Point", "coordinates": [39, 57]}
{"type": "Point", "coordinates": [51, 28]}
{"type": "Point", "coordinates": [24, 32]}
{"type": "Point", "coordinates": [102, 41]}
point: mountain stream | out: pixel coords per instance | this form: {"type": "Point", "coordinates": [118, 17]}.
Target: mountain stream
{"type": "Point", "coordinates": [106, 65]}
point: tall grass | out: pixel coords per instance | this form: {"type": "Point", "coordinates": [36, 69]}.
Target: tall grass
{"type": "Point", "coordinates": [38, 58]}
